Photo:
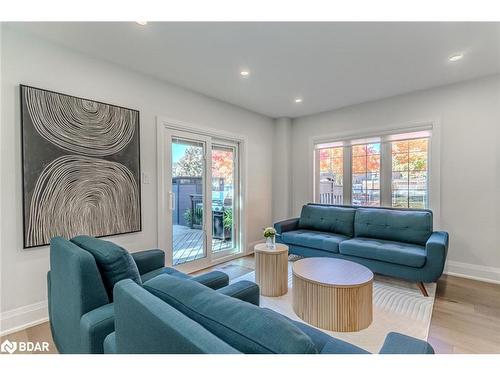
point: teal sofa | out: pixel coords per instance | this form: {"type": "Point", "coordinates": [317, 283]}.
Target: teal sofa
{"type": "Point", "coordinates": [180, 316]}
{"type": "Point", "coordinates": [81, 308]}
{"type": "Point", "coordinates": [394, 242]}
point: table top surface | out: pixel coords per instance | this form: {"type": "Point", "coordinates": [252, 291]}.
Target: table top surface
{"type": "Point", "coordinates": [261, 248]}
{"type": "Point", "coordinates": [332, 271]}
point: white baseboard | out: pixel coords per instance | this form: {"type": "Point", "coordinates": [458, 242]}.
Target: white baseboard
{"type": "Point", "coordinates": [473, 271]}
{"type": "Point", "coordinates": [23, 317]}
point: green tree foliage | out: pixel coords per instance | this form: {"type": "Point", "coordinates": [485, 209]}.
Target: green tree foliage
{"type": "Point", "coordinates": [191, 163]}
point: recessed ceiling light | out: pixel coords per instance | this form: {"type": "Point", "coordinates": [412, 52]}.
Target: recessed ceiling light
{"type": "Point", "coordinates": [244, 73]}
{"type": "Point", "coordinates": [298, 100]}
{"type": "Point", "coordinates": [142, 23]}
{"type": "Point", "coordinates": [456, 57]}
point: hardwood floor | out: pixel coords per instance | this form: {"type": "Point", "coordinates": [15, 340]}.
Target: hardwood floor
{"type": "Point", "coordinates": [465, 319]}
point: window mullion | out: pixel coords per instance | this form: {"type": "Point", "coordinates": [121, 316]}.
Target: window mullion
{"type": "Point", "coordinates": [347, 175]}
{"type": "Point", "coordinates": [386, 174]}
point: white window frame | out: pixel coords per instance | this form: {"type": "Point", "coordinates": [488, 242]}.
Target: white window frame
{"type": "Point", "coordinates": [383, 135]}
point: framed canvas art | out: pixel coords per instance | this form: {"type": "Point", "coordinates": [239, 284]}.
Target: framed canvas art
{"type": "Point", "coordinates": [81, 167]}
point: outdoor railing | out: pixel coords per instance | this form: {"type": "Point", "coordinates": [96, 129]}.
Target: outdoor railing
{"type": "Point", "coordinates": [330, 198]}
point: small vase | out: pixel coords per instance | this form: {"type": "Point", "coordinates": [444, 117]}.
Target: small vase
{"type": "Point", "coordinates": [271, 242]}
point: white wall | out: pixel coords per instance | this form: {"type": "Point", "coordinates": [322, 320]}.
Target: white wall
{"type": "Point", "coordinates": [282, 169]}
{"type": "Point", "coordinates": [469, 118]}
{"type": "Point", "coordinates": [30, 61]}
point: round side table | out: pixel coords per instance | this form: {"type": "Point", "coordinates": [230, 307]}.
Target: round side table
{"type": "Point", "coordinates": [271, 269]}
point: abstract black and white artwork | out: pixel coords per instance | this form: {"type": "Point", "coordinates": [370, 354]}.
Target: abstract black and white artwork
{"type": "Point", "coordinates": [81, 167]}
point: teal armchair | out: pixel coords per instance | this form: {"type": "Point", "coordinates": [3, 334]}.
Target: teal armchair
{"type": "Point", "coordinates": [81, 312]}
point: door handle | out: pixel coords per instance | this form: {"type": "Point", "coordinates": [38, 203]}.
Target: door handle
{"type": "Point", "coordinates": [171, 201]}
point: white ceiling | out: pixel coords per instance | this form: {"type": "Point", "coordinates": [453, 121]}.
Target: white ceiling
{"type": "Point", "coordinates": [329, 65]}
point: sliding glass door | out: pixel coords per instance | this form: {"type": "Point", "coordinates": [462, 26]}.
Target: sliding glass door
{"type": "Point", "coordinates": [201, 190]}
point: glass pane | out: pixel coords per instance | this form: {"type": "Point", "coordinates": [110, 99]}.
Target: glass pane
{"type": "Point", "coordinates": [418, 161]}
{"type": "Point", "coordinates": [400, 198]}
{"type": "Point", "coordinates": [336, 152]}
{"type": "Point", "coordinates": [373, 163]}
{"type": "Point", "coordinates": [372, 198]}
{"type": "Point", "coordinates": [222, 198]}
{"type": "Point", "coordinates": [359, 150]}
{"type": "Point", "coordinates": [418, 145]}
{"type": "Point", "coordinates": [400, 147]}
{"type": "Point", "coordinates": [418, 180]}
{"type": "Point", "coordinates": [418, 199]}
{"type": "Point", "coordinates": [372, 181]}
{"type": "Point", "coordinates": [399, 180]}
{"type": "Point", "coordinates": [187, 188]}
{"type": "Point", "coordinates": [358, 164]}
{"type": "Point", "coordinates": [358, 182]}
{"type": "Point", "coordinates": [331, 178]}
{"type": "Point", "coordinates": [324, 154]}
{"type": "Point", "coordinates": [337, 166]}
{"type": "Point", "coordinates": [399, 162]}
{"type": "Point", "coordinates": [331, 190]}
{"type": "Point", "coordinates": [359, 199]}
{"type": "Point", "coordinates": [373, 148]}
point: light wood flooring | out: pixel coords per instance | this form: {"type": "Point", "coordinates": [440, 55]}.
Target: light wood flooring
{"type": "Point", "coordinates": [465, 319]}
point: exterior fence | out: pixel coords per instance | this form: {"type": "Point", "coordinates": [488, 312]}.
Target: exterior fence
{"type": "Point", "coordinates": [330, 198]}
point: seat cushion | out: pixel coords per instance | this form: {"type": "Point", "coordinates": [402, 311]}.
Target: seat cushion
{"type": "Point", "coordinates": [332, 219]}
{"type": "Point", "coordinates": [385, 251]}
{"type": "Point", "coordinates": [246, 327]}
{"type": "Point", "coordinates": [114, 262]}
{"type": "Point", "coordinates": [411, 226]}
{"type": "Point", "coordinates": [314, 239]}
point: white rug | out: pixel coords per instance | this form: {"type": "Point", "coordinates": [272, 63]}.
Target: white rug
{"type": "Point", "coordinates": [398, 306]}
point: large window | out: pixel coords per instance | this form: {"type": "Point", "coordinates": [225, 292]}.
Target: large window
{"type": "Point", "coordinates": [389, 170]}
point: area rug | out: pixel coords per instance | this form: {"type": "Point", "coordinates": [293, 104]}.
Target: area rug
{"type": "Point", "coordinates": [398, 306]}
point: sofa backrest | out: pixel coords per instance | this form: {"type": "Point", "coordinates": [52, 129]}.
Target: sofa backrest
{"type": "Point", "coordinates": [411, 226]}
{"type": "Point", "coordinates": [146, 324]}
{"type": "Point", "coordinates": [113, 261]}
{"type": "Point", "coordinates": [75, 288]}
{"type": "Point", "coordinates": [246, 327]}
{"type": "Point", "coordinates": [333, 219]}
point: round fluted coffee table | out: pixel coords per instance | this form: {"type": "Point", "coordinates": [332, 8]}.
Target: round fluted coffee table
{"type": "Point", "coordinates": [271, 269]}
{"type": "Point", "coordinates": [333, 294]}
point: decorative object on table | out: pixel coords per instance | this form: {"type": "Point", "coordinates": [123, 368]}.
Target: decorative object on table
{"type": "Point", "coordinates": [270, 236]}
{"type": "Point", "coordinates": [271, 269]}
{"type": "Point", "coordinates": [81, 167]}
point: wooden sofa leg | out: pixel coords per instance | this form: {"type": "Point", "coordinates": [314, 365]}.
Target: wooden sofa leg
{"type": "Point", "coordinates": [421, 286]}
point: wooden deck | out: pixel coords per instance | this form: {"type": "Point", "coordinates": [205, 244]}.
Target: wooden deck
{"type": "Point", "coordinates": [188, 244]}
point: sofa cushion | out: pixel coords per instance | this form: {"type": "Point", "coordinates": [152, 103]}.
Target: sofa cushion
{"type": "Point", "coordinates": [385, 251]}
{"type": "Point", "coordinates": [332, 219]}
{"type": "Point", "coordinates": [314, 239]}
{"type": "Point", "coordinates": [394, 225]}
{"type": "Point", "coordinates": [326, 344]}
{"type": "Point", "coordinates": [114, 262]}
{"type": "Point", "coordinates": [248, 328]}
